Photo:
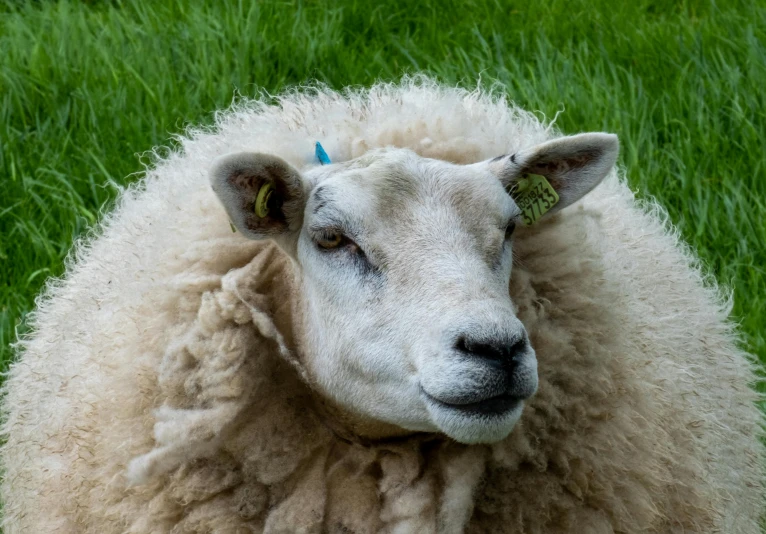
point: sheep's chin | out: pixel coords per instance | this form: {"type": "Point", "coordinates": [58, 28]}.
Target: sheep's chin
{"type": "Point", "coordinates": [474, 428]}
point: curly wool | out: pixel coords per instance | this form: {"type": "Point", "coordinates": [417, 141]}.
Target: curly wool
{"type": "Point", "coordinates": [158, 391]}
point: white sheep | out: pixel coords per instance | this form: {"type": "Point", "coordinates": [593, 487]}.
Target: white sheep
{"type": "Point", "coordinates": [367, 369]}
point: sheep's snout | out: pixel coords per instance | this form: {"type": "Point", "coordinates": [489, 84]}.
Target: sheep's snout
{"type": "Point", "coordinates": [475, 388]}
{"type": "Point", "coordinates": [508, 357]}
{"type": "Point", "coordinates": [478, 371]}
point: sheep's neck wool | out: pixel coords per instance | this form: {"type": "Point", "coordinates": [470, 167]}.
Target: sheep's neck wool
{"type": "Point", "coordinates": [292, 457]}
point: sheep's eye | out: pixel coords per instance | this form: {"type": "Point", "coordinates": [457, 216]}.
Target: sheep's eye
{"type": "Point", "coordinates": [509, 229]}
{"type": "Point", "coordinates": [330, 240]}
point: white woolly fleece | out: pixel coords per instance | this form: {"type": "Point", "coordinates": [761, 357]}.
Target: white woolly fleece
{"type": "Point", "coordinates": [156, 392]}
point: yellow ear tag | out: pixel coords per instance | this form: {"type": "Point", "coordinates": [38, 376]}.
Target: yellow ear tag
{"type": "Point", "coordinates": [535, 196]}
{"type": "Point", "coordinates": [262, 200]}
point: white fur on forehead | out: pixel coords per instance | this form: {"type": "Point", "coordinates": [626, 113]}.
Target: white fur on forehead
{"type": "Point", "coordinates": [399, 185]}
{"type": "Point", "coordinates": [372, 159]}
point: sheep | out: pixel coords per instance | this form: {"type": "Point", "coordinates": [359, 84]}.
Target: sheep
{"type": "Point", "coordinates": [390, 342]}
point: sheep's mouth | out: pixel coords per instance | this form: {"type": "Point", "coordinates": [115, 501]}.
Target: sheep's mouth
{"type": "Point", "coordinates": [497, 405]}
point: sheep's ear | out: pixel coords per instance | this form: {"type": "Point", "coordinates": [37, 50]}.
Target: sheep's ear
{"type": "Point", "coordinates": [263, 195]}
{"type": "Point", "coordinates": [572, 165]}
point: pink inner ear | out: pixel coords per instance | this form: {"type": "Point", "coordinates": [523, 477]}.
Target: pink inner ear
{"type": "Point", "coordinates": [238, 178]}
{"type": "Point", "coordinates": [559, 166]}
{"type": "Point", "coordinates": [248, 183]}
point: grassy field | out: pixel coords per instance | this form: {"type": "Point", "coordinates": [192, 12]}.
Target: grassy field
{"type": "Point", "coordinates": [86, 87]}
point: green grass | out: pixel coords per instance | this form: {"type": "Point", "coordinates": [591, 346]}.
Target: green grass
{"type": "Point", "coordinates": [86, 87]}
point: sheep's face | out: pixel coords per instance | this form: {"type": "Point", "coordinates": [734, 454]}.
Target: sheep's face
{"type": "Point", "coordinates": [405, 264]}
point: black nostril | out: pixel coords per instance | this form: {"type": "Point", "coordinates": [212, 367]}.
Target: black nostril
{"type": "Point", "coordinates": [499, 351]}
{"type": "Point", "coordinates": [490, 351]}
{"type": "Point", "coordinates": [517, 349]}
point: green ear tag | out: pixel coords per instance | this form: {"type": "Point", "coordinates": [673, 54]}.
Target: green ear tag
{"type": "Point", "coordinates": [535, 196]}
{"type": "Point", "coordinates": [262, 200]}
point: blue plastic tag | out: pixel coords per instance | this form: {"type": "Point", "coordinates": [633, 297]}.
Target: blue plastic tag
{"type": "Point", "coordinates": [322, 156]}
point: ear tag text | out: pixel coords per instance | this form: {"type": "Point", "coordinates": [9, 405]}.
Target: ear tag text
{"type": "Point", "coordinates": [535, 197]}
{"type": "Point", "coordinates": [262, 200]}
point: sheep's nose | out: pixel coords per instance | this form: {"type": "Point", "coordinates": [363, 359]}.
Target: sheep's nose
{"type": "Point", "coordinates": [502, 353]}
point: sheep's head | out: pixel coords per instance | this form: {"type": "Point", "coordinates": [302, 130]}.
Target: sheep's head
{"type": "Point", "coordinates": [405, 265]}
